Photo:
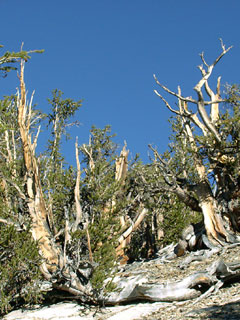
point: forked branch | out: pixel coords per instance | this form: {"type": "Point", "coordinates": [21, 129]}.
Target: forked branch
{"type": "Point", "coordinates": [206, 123]}
{"type": "Point", "coordinates": [209, 70]}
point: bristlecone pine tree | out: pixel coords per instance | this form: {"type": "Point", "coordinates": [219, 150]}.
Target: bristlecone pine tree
{"type": "Point", "coordinates": [202, 166]}
{"type": "Point", "coordinates": [73, 219]}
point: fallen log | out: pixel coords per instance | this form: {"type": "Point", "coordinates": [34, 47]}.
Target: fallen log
{"type": "Point", "coordinates": [137, 287]}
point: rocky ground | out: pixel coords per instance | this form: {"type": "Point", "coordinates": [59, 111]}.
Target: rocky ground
{"type": "Point", "coordinates": [222, 304]}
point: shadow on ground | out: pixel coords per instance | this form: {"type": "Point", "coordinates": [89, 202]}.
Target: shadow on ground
{"type": "Point", "coordinates": [228, 311]}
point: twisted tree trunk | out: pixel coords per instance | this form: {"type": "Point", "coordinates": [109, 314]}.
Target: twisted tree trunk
{"type": "Point", "coordinates": [202, 192]}
{"type": "Point", "coordinates": [55, 260]}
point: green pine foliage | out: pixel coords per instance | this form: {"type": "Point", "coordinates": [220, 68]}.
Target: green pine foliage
{"type": "Point", "coordinates": [20, 274]}
{"type": "Point", "coordinates": [176, 217]}
{"type": "Point", "coordinates": [8, 60]}
{"type": "Point", "coordinates": [19, 269]}
{"type": "Point", "coordinates": [165, 211]}
{"type": "Point", "coordinates": [98, 190]}
{"type": "Point", "coordinates": [58, 178]}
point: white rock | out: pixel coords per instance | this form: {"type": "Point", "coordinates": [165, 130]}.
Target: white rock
{"type": "Point", "coordinates": [59, 311]}
{"type": "Point", "coordinates": [73, 311]}
{"type": "Point", "coordinates": [133, 312]}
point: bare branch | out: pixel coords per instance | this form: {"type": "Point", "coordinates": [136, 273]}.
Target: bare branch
{"type": "Point", "coordinates": [17, 226]}
{"type": "Point", "coordinates": [21, 194]}
{"type": "Point", "coordinates": [89, 153]}
{"type": "Point", "coordinates": [198, 123]}
{"type": "Point", "coordinates": [166, 103]}
{"type": "Point", "coordinates": [218, 86]}
{"type": "Point", "coordinates": [215, 98]}
{"type": "Point", "coordinates": [35, 199]}
{"type": "Point", "coordinates": [207, 103]}
{"type": "Point", "coordinates": [188, 99]}
{"type": "Point", "coordinates": [207, 73]}
{"type": "Point", "coordinates": [193, 117]}
{"type": "Point", "coordinates": [30, 111]}
{"type": "Point", "coordinates": [77, 191]}
{"type": "Point", "coordinates": [203, 59]}
{"type": "Point", "coordinates": [67, 236]}
{"type": "Point", "coordinates": [209, 123]}
{"type": "Point", "coordinates": [8, 146]}
{"type": "Point", "coordinates": [224, 51]}
{"type": "Point", "coordinates": [122, 165]}
{"type": "Point", "coordinates": [134, 226]}
{"type": "Point", "coordinates": [34, 145]}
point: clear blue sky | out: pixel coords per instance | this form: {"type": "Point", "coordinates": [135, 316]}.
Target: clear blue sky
{"type": "Point", "coordinates": [106, 52]}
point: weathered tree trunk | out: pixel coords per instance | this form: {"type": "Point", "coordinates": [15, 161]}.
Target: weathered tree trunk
{"type": "Point", "coordinates": [54, 257]}
{"type": "Point", "coordinates": [141, 212]}
{"type": "Point", "coordinates": [36, 205]}
{"type": "Point", "coordinates": [137, 287]}
{"type": "Point", "coordinates": [203, 197]}
{"type": "Point", "coordinates": [213, 223]}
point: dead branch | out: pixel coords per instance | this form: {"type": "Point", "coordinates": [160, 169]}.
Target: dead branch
{"type": "Point", "coordinates": [167, 104]}
{"type": "Point", "coordinates": [54, 258]}
{"type": "Point", "coordinates": [77, 192]}
{"type": "Point", "coordinates": [122, 165]}
{"type": "Point", "coordinates": [89, 154]}
{"type": "Point", "coordinates": [35, 201]}
{"type": "Point", "coordinates": [17, 226]}
{"type": "Point", "coordinates": [125, 238]}
{"type": "Point", "coordinates": [182, 105]}
{"type": "Point", "coordinates": [13, 184]}
{"type": "Point", "coordinates": [174, 93]}
{"type": "Point", "coordinates": [173, 186]}
{"type": "Point", "coordinates": [134, 226]}
{"type": "Point", "coordinates": [215, 98]}
{"type": "Point", "coordinates": [67, 236]}
{"type": "Point", "coordinates": [209, 70]}
{"type": "Point", "coordinates": [138, 287]}
{"type": "Point", "coordinates": [208, 123]}
{"type": "Point", "coordinates": [79, 213]}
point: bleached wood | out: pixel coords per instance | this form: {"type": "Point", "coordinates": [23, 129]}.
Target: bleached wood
{"type": "Point", "coordinates": [207, 124]}
{"type": "Point", "coordinates": [36, 205]}
{"type": "Point", "coordinates": [134, 226]}
{"type": "Point", "coordinates": [134, 288]}
{"type": "Point", "coordinates": [125, 238]}
{"type": "Point", "coordinates": [122, 165]}
{"type": "Point", "coordinates": [77, 191]}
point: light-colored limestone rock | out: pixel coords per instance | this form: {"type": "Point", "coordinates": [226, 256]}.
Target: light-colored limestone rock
{"type": "Point", "coordinates": [73, 311]}
{"type": "Point", "coordinates": [60, 311]}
